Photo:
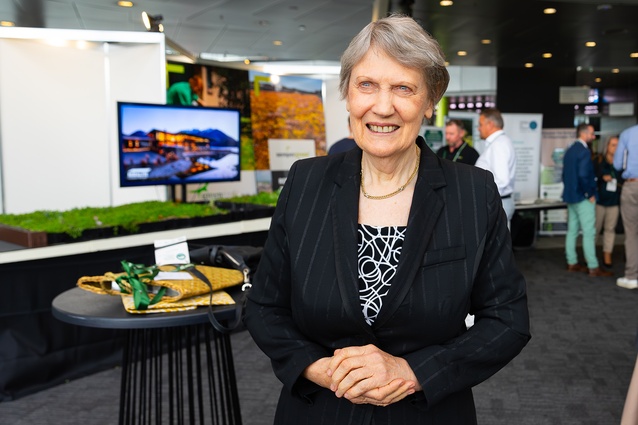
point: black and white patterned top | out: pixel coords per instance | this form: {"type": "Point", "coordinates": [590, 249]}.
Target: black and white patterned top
{"type": "Point", "coordinates": [379, 251]}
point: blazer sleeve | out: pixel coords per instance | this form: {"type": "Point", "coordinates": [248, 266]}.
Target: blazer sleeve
{"type": "Point", "coordinates": [586, 175]}
{"type": "Point", "coordinates": [499, 302]}
{"type": "Point", "coordinates": [269, 316]}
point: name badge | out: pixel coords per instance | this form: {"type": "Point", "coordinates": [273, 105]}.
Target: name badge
{"type": "Point", "coordinates": [612, 185]}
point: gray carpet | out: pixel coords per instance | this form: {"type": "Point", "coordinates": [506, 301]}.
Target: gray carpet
{"type": "Point", "coordinates": [575, 370]}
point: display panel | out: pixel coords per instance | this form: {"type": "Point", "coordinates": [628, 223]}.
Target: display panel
{"type": "Point", "coordinates": [171, 145]}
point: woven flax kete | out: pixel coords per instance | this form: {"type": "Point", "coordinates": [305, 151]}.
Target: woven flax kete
{"type": "Point", "coordinates": [180, 295]}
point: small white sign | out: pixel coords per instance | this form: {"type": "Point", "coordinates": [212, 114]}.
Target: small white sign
{"type": "Point", "coordinates": [284, 152]}
{"type": "Point", "coordinates": [172, 251]}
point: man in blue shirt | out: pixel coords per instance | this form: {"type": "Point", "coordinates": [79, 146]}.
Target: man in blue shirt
{"type": "Point", "coordinates": [626, 158]}
{"type": "Point", "coordinates": [579, 194]}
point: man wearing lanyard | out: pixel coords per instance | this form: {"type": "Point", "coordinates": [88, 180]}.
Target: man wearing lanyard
{"type": "Point", "coordinates": [457, 149]}
{"type": "Point", "coordinates": [498, 157]}
{"type": "Point", "coordinates": [628, 147]}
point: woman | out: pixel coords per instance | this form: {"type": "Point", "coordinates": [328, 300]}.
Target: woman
{"type": "Point", "coordinates": [375, 257]}
{"type": "Point", "coordinates": [607, 205]}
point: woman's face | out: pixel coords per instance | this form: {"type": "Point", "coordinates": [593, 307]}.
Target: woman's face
{"type": "Point", "coordinates": [387, 103]}
{"type": "Point", "coordinates": [613, 144]}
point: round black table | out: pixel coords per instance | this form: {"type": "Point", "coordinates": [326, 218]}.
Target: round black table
{"type": "Point", "coordinates": [176, 368]}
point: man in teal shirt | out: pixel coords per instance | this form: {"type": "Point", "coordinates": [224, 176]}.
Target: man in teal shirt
{"type": "Point", "coordinates": [186, 92]}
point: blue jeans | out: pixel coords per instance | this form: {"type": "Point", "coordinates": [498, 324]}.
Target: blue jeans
{"type": "Point", "coordinates": [581, 216]}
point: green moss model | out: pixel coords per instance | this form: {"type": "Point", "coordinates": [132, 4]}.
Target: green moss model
{"type": "Point", "coordinates": [127, 217]}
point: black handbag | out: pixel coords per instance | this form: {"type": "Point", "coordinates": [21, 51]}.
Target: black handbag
{"type": "Point", "coordinates": [242, 258]}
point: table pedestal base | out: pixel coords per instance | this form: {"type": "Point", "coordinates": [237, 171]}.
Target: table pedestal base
{"type": "Point", "coordinates": [178, 375]}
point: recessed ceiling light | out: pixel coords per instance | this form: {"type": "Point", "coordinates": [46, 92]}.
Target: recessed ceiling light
{"type": "Point", "coordinates": [633, 55]}
{"type": "Point", "coordinates": [7, 24]}
{"type": "Point", "coordinates": [486, 41]}
{"type": "Point", "coordinates": [446, 2]}
{"type": "Point", "coordinates": [598, 79]}
{"type": "Point", "coordinates": [549, 11]}
{"type": "Point", "coordinates": [247, 61]}
{"type": "Point", "coordinates": [590, 44]}
{"type": "Point", "coordinates": [122, 3]}
{"type": "Point", "coordinates": [547, 55]}
{"type": "Point", "coordinates": [461, 53]}
{"type": "Point", "coordinates": [277, 42]}
{"type": "Point", "coordinates": [615, 71]}
{"type": "Point", "coordinates": [529, 65]}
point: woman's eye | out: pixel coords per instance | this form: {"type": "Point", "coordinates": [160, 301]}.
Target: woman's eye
{"type": "Point", "coordinates": [404, 90]}
{"type": "Point", "coordinates": [366, 86]}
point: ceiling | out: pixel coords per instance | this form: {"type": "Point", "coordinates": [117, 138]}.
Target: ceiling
{"type": "Point", "coordinates": [319, 30]}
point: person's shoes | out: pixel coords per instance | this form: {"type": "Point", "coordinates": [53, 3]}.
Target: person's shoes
{"type": "Point", "coordinates": [576, 268]}
{"type": "Point", "coordinates": [598, 272]}
{"type": "Point", "coordinates": [623, 282]}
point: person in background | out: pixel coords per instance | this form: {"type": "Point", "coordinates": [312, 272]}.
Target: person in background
{"type": "Point", "coordinates": [626, 158]}
{"type": "Point", "coordinates": [630, 410]}
{"type": "Point", "coordinates": [456, 148]}
{"type": "Point", "coordinates": [607, 205]}
{"type": "Point", "coordinates": [372, 263]}
{"type": "Point", "coordinates": [498, 157]}
{"type": "Point", "coordinates": [186, 92]}
{"type": "Point", "coordinates": [344, 144]}
{"type": "Point", "coordinates": [579, 193]}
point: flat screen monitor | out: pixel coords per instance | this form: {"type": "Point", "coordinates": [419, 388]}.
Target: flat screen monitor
{"type": "Point", "coordinates": [174, 145]}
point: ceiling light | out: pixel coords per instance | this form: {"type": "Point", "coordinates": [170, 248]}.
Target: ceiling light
{"type": "Point", "coordinates": [598, 79]}
{"type": "Point", "coordinates": [529, 65]}
{"type": "Point", "coordinates": [247, 61]}
{"type": "Point", "coordinates": [549, 11]}
{"type": "Point", "coordinates": [547, 55]}
{"type": "Point", "coordinates": [277, 42]}
{"type": "Point", "coordinates": [446, 3]}
{"type": "Point", "coordinates": [633, 55]}
{"type": "Point", "coordinates": [590, 44]}
{"type": "Point", "coordinates": [152, 23]}
{"type": "Point", "coordinates": [301, 27]}
{"type": "Point", "coordinates": [7, 24]}
{"type": "Point", "coordinates": [486, 41]}
{"type": "Point", "coordinates": [461, 53]}
{"type": "Point", "coordinates": [615, 71]}
{"type": "Point", "coordinates": [122, 3]}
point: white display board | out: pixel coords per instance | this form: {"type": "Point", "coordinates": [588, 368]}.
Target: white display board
{"type": "Point", "coordinates": [58, 116]}
{"type": "Point", "coordinates": [555, 142]}
{"type": "Point", "coordinates": [525, 131]}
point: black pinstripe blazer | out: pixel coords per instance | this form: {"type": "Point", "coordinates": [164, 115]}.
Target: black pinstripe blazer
{"type": "Point", "coordinates": [456, 259]}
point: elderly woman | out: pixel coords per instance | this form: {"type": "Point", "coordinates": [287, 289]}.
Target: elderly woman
{"type": "Point", "coordinates": [375, 257]}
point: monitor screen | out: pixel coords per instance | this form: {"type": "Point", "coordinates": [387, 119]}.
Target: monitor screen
{"type": "Point", "coordinates": [170, 144]}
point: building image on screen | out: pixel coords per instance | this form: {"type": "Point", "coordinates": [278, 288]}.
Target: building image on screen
{"type": "Point", "coordinates": [171, 145]}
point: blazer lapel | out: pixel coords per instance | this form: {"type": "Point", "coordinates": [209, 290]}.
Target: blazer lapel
{"type": "Point", "coordinates": [345, 213]}
{"type": "Point", "coordinates": [425, 210]}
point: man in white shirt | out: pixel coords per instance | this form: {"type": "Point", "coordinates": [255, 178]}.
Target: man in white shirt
{"type": "Point", "coordinates": [498, 157]}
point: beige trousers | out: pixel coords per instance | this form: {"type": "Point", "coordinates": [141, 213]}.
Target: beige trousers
{"type": "Point", "coordinates": [607, 218]}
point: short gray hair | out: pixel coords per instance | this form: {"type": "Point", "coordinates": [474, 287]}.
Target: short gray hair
{"type": "Point", "coordinates": [403, 39]}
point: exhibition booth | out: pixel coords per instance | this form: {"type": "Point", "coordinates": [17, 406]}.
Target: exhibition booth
{"type": "Point", "coordinates": [84, 122]}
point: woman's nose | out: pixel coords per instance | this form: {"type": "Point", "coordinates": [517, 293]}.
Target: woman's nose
{"type": "Point", "coordinates": [384, 103]}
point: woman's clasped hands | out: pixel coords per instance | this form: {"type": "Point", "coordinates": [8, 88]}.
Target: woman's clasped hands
{"type": "Point", "coordinates": [367, 375]}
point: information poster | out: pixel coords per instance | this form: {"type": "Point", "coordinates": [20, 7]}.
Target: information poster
{"type": "Point", "coordinates": [283, 153]}
{"type": "Point", "coordinates": [555, 142]}
{"type": "Point", "coordinates": [525, 132]}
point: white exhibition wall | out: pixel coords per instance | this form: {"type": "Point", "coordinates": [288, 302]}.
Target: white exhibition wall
{"type": "Point", "coordinates": [58, 117]}
{"type": "Point", "coordinates": [58, 114]}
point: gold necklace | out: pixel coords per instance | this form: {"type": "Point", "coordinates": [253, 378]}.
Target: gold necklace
{"type": "Point", "coordinates": [400, 189]}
